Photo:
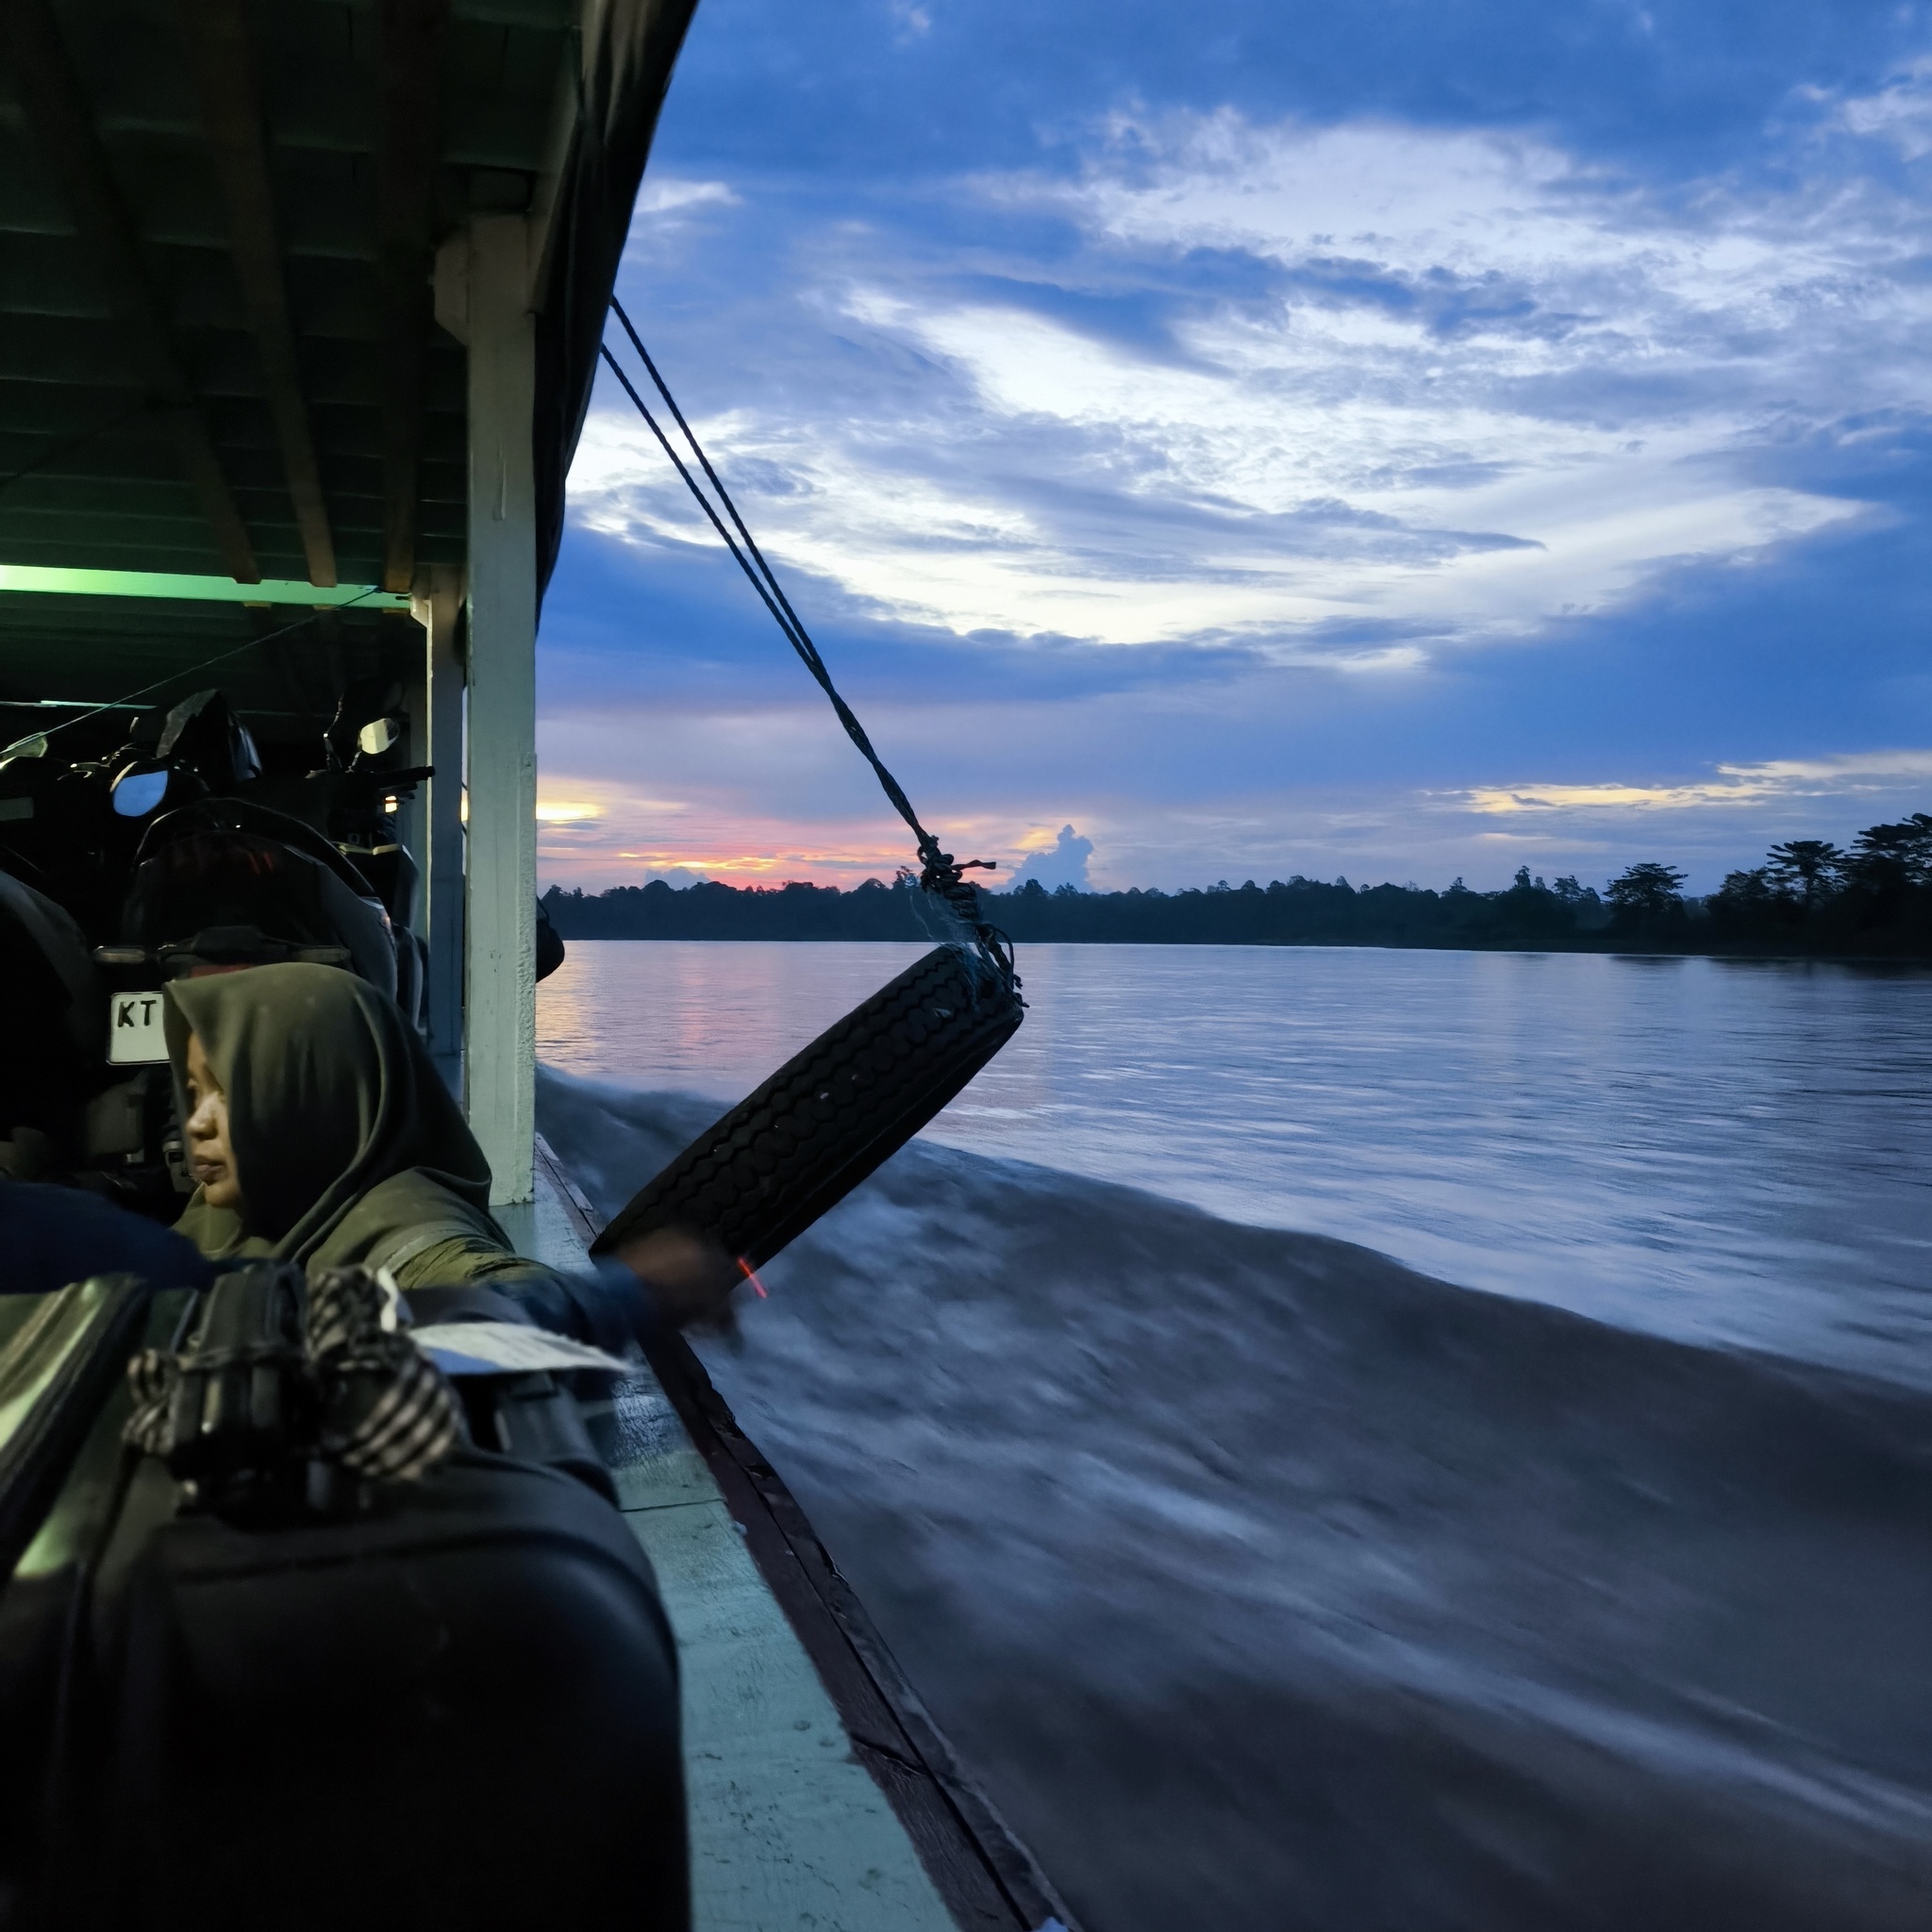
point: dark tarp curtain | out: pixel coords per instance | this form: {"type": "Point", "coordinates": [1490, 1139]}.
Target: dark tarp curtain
{"type": "Point", "coordinates": [629, 49]}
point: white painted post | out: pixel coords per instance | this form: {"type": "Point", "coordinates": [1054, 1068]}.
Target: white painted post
{"type": "Point", "coordinates": [500, 992]}
{"type": "Point", "coordinates": [435, 600]}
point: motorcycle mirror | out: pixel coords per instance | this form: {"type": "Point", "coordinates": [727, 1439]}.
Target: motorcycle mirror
{"type": "Point", "coordinates": [378, 736]}
{"type": "Point", "coordinates": [139, 788]}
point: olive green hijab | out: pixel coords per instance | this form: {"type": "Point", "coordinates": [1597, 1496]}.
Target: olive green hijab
{"type": "Point", "coordinates": [347, 1144]}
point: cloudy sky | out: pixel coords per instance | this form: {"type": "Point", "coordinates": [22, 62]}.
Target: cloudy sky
{"type": "Point", "coordinates": [1412, 438]}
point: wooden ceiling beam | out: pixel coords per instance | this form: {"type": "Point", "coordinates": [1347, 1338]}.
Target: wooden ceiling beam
{"type": "Point", "coordinates": [409, 150]}
{"type": "Point", "coordinates": [221, 55]}
{"type": "Point", "coordinates": [63, 130]}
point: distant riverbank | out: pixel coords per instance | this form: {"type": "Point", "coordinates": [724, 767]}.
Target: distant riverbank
{"type": "Point", "coordinates": [1895, 922]}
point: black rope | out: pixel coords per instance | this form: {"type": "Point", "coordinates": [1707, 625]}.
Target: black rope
{"type": "Point", "coordinates": [941, 874]}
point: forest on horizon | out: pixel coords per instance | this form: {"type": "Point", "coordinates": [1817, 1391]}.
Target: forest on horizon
{"type": "Point", "coordinates": [1809, 897]}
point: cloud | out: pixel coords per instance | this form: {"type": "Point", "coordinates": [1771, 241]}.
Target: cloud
{"type": "Point", "coordinates": [1063, 863]}
{"type": "Point", "coordinates": [1667, 87]}
{"type": "Point", "coordinates": [1486, 388]}
{"type": "Point", "coordinates": [1252, 453]}
{"type": "Point", "coordinates": [1735, 785]}
{"type": "Point", "coordinates": [666, 194]}
{"type": "Point", "coordinates": [1899, 113]}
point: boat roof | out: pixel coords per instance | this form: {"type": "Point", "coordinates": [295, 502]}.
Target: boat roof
{"type": "Point", "coordinates": [225, 395]}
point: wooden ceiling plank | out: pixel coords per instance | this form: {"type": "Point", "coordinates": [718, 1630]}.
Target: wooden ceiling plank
{"type": "Point", "coordinates": [63, 129]}
{"type": "Point", "coordinates": [222, 57]}
{"type": "Point", "coordinates": [408, 147]}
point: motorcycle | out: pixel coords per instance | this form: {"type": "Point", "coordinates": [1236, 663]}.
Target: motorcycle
{"type": "Point", "coordinates": [178, 856]}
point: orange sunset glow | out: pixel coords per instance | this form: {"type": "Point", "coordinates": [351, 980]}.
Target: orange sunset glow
{"type": "Point", "coordinates": [599, 842]}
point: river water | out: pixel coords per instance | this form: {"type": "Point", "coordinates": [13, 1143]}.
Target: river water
{"type": "Point", "coordinates": [1579, 1577]}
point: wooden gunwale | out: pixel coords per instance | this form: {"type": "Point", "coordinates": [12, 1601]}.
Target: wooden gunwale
{"type": "Point", "coordinates": [983, 1871]}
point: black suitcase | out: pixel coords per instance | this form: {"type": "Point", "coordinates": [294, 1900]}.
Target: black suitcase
{"type": "Point", "coordinates": [450, 1701]}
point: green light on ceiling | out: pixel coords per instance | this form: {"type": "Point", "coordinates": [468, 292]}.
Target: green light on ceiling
{"type": "Point", "coordinates": [141, 583]}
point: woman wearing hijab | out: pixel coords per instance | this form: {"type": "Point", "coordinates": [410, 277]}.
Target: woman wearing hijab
{"type": "Point", "coordinates": [321, 1134]}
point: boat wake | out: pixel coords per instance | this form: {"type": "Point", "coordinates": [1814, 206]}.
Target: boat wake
{"type": "Point", "coordinates": [1266, 1584]}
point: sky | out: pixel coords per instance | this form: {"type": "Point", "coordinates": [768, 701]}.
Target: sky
{"type": "Point", "coordinates": [1406, 441]}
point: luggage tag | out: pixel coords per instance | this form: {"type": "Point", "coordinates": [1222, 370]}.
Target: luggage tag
{"type": "Point", "coordinates": [508, 1348]}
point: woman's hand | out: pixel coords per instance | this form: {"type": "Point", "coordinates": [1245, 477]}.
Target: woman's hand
{"type": "Point", "coordinates": [689, 1275]}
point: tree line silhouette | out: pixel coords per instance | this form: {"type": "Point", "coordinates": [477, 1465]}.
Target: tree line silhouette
{"type": "Point", "coordinates": [1811, 891]}
{"type": "Point", "coordinates": [1873, 898]}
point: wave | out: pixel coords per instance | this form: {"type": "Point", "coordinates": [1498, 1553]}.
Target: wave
{"type": "Point", "coordinates": [1267, 1584]}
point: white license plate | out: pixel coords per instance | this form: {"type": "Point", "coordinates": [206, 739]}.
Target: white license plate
{"type": "Point", "coordinates": [135, 1037]}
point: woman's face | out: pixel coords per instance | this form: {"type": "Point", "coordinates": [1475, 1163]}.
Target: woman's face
{"type": "Point", "coordinates": [208, 1152]}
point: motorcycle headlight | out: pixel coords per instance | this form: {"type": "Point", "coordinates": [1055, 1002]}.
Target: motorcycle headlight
{"type": "Point", "coordinates": [139, 787]}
